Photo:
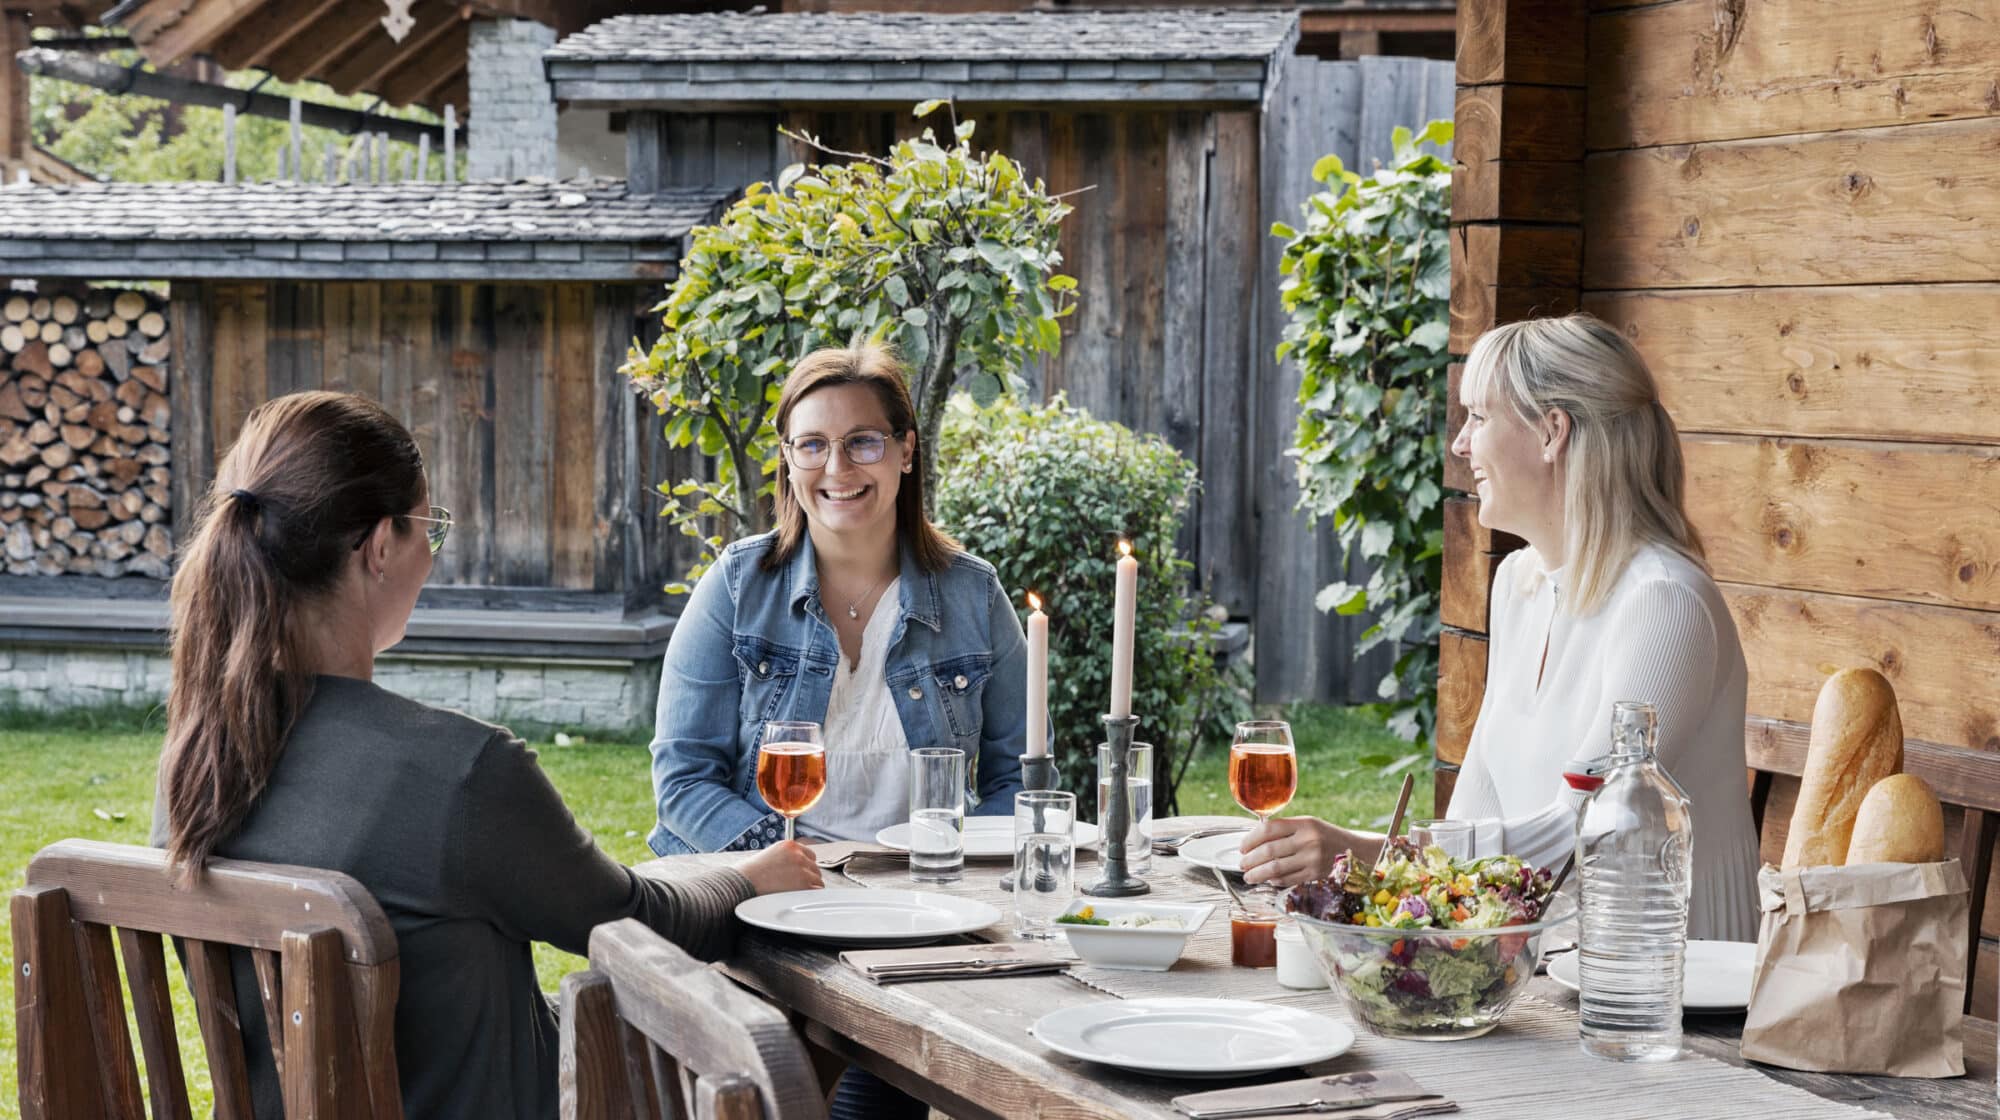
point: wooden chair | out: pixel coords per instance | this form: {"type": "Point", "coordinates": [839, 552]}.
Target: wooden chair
{"type": "Point", "coordinates": [649, 1033]}
{"type": "Point", "coordinates": [325, 962]}
{"type": "Point", "coordinates": [1965, 779]}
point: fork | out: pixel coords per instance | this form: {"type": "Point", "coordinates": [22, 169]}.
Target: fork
{"type": "Point", "coordinates": [840, 859]}
{"type": "Point", "coordinates": [1172, 845]}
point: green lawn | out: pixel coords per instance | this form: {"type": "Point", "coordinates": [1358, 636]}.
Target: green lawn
{"type": "Point", "coordinates": [94, 779]}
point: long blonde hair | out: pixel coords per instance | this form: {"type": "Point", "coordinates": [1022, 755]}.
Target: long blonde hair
{"type": "Point", "coordinates": [1624, 482]}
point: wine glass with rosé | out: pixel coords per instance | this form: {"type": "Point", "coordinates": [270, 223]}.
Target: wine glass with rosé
{"type": "Point", "coordinates": [1263, 767]}
{"type": "Point", "coordinates": [1263, 776]}
{"type": "Point", "coordinates": [791, 768]}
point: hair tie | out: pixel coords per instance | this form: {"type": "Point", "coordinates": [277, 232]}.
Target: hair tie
{"type": "Point", "coordinates": [247, 499]}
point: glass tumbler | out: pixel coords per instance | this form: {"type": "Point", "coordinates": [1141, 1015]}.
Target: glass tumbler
{"type": "Point", "coordinates": [1139, 791]}
{"type": "Point", "coordinates": [937, 815]}
{"type": "Point", "coordinates": [1455, 837]}
{"type": "Point", "coordinates": [1044, 860]}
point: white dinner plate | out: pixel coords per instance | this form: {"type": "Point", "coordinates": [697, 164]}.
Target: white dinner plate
{"type": "Point", "coordinates": [1222, 851]}
{"type": "Point", "coordinates": [1715, 978]}
{"type": "Point", "coordinates": [1192, 1037]}
{"type": "Point", "coordinates": [870, 917]}
{"type": "Point", "coordinates": [985, 837]}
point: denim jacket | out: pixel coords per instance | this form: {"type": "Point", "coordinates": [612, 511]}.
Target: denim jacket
{"type": "Point", "coordinates": [755, 645]}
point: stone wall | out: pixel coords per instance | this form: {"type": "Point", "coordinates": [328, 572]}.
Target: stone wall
{"type": "Point", "coordinates": [530, 697]}
{"type": "Point", "coordinates": [513, 110]}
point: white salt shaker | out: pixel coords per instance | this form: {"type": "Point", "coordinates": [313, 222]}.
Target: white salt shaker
{"type": "Point", "coordinates": [1297, 966]}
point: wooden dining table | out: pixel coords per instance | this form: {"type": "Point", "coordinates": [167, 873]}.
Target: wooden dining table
{"type": "Point", "coordinates": [964, 1046]}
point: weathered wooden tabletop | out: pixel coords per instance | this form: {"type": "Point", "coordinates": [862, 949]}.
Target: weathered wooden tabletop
{"type": "Point", "coordinates": [964, 1045]}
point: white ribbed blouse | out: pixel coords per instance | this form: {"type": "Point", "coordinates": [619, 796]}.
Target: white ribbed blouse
{"type": "Point", "coordinates": [1665, 636]}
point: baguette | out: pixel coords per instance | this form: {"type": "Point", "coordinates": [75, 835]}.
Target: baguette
{"type": "Point", "coordinates": [1900, 822]}
{"type": "Point", "coordinates": [1857, 740]}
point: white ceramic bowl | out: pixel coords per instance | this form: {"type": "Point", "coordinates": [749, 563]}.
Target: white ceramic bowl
{"type": "Point", "coordinates": [1141, 948]}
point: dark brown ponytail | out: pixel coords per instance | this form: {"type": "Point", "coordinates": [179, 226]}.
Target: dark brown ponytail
{"type": "Point", "coordinates": [311, 475]}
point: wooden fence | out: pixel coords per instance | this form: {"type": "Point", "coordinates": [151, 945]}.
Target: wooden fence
{"type": "Point", "coordinates": [1179, 314]}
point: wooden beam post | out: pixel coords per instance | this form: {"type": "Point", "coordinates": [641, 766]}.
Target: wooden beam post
{"type": "Point", "coordinates": [15, 138]}
{"type": "Point", "coordinates": [1517, 158]}
{"type": "Point", "coordinates": [645, 151]}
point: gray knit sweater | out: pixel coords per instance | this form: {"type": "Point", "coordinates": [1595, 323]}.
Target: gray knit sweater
{"type": "Point", "coordinates": [453, 827]}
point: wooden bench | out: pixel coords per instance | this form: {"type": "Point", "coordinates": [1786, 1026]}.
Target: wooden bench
{"type": "Point", "coordinates": [324, 959]}
{"type": "Point", "coordinates": [649, 1033]}
{"type": "Point", "coordinates": [1968, 782]}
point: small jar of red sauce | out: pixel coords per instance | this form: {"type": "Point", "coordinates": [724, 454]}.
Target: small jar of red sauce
{"type": "Point", "coordinates": [1253, 939]}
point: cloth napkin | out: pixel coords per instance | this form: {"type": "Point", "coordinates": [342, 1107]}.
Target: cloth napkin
{"type": "Point", "coordinates": [952, 962]}
{"type": "Point", "coordinates": [1363, 1095]}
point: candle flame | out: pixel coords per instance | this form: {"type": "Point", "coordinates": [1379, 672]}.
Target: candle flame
{"type": "Point", "coordinates": [1034, 601]}
{"type": "Point", "coordinates": [1124, 548]}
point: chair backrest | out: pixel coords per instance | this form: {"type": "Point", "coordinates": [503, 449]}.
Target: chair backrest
{"type": "Point", "coordinates": [325, 963]}
{"type": "Point", "coordinates": [649, 1033]}
{"type": "Point", "coordinates": [1966, 781]}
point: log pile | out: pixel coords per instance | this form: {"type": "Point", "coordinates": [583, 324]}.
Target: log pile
{"type": "Point", "coordinates": [85, 434]}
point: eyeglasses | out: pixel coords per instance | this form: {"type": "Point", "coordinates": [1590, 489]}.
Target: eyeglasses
{"type": "Point", "coordinates": [810, 453]}
{"type": "Point", "coordinates": [437, 530]}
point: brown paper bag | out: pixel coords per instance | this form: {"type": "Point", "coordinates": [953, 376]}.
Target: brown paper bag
{"type": "Point", "coordinates": [1861, 970]}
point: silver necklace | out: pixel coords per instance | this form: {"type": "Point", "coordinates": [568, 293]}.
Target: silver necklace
{"type": "Point", "coordinates": [854, 608]}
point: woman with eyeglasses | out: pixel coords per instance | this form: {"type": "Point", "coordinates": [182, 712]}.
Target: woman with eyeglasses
{"type": "Point", "coordinates": [310, 551]}
{"type": "Point", "coordinates": [858, 614]}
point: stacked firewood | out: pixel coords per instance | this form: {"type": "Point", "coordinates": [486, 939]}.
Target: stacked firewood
{"type": "Point", "coordinates": [85, 434]}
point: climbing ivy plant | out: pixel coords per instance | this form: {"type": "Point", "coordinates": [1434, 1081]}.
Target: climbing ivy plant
{"type": "Point", "coordinates": [1367, 282]}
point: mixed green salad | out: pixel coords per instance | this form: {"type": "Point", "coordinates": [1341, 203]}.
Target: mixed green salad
{"type": "Point", "coordinates": [1429, 978]}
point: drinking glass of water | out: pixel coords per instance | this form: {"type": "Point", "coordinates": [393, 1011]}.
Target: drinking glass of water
{"type": "Point", "coordinates": [1044, 860]}
{"type": "Point", "coordinates": [937, 814]}
{"type": "Point", "coordinates": [1139, 789]}
{"type": "Point", "coordinates": [1455, 837]}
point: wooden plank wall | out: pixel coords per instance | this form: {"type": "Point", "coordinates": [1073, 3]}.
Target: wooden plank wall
{"type": "Point", "coordinates": [1517, 251]}
{"type": "Point", "coordinates": [1793, 211]}
{"type": "Point", "coordinates": [511, 390]}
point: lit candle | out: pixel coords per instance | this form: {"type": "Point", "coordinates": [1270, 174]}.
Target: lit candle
{"type": "Point", "coordinates": [1038, 678]}
{"type": "Point", "coordinates": [1125, 609]}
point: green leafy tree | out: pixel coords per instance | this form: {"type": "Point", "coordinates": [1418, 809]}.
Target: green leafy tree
{"type": "Point", "coordinates": [144, 139]}
{"type": "Point", "coordinates": [947, 252]}
{"type": "Point", "coordinates": [1045, 494]}
{"type": "Point", "coordinates": [1368, 286]}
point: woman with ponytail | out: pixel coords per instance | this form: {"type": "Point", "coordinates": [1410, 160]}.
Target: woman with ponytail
{"type": "Point", "coordinates": [309, 555]}
{"type": "Point", "coordinates": [1572, 451]}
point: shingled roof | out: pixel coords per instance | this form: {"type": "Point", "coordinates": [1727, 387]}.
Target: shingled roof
{"type": "Point", "coordinates": [582, 229]}
{"type": "Point", "coordinates": [1188, 55]}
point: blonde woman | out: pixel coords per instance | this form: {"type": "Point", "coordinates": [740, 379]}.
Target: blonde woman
{"type": "Point", "coordinates": [1612, 600]}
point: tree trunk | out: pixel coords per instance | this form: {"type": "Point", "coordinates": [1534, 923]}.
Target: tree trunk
{"type": "Point", "coordinates": [749, 476]}
{"type": "Point", "coordinates": [939, 373]}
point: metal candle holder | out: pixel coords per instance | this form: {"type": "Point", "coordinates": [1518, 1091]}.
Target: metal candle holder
{"type": "Point", "coordinates": [1116, 881]}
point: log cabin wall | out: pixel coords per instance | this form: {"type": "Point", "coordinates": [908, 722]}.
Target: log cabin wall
{"type": "Point", "coordinates": [512, 391]}
{"type": "Point", "coordinates": [1517, 251]}
{"type": "Point", "coordinates": [1789, 206]}
{"type": "Point", "coordinates": [1791, 209]}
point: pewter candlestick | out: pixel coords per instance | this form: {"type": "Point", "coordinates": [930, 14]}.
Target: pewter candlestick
{"type": "Point", "coordinates": [1116, 881]}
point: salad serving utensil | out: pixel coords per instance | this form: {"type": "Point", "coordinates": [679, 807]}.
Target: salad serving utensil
{"type": "Point", "coordinates": [1360, 876]}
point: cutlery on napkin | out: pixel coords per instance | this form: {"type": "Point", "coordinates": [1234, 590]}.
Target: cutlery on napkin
{"type": "Point", "coordinates": [952, 962]}
{"type": "Point", "coordinates": [836, 854]}
{"type": "Point", "coordinates": [1363, 1095]}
